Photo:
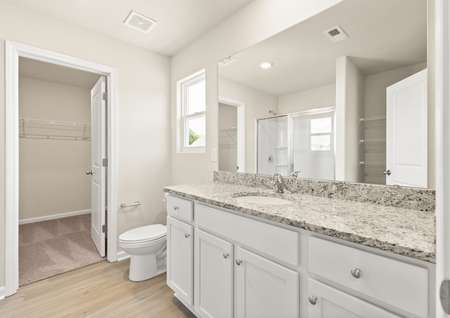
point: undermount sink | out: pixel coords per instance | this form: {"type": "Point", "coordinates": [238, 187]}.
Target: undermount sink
{"type": "Point", "coordinates": [261, 199]}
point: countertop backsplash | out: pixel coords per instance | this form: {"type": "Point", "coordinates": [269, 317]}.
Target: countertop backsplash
{"type": "Point", "coordinates": [387, 195]}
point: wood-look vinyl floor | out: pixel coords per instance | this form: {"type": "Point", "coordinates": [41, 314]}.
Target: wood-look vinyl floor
{"type": "Point", "coordinates": [99, 290]}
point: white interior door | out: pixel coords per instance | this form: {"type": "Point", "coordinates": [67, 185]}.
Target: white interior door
{"type": "Point", "coordinates": [98, 169]}
{"type": "Point", "coordinates": [407, 132]}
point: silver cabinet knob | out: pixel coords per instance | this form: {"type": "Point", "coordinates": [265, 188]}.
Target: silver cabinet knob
{"type": "Point", "coordinates": [226, 255]}
{"type": "Point", "coordinates": [187, 235]}
{"type": "Point", "coordinates": [312, 300]}
{"type": "Point", "coordinates": [356, 272]}
{"type": "Point", "coordinates": [176, 208]}
{"type": "Point", "coordinates": [89, 173]}
{"type": "Point", "coordinates": [387, 172]}
{"type": "Point", "coordinates": [238, 262]}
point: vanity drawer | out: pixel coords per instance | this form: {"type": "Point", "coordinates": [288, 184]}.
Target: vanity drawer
{"type": "Point", "coordinates": [392, 282]}
{"type": "Point", "coordinates": [180, 209]}
{"type": "Point", "coordinates": [270, 240]}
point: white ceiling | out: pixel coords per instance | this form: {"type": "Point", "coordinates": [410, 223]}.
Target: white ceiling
{"type": "Point", "coordinates": [179, 21]}
{"type": "Point", "coordinates": [384, 34]}
{"type": "Point", "coordinates": [56, 73]}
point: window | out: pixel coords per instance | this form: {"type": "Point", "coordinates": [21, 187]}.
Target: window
{"type": "Point", "coordinates": [321, 133]}
{"type": "Point", "coordinates": [192, 113]}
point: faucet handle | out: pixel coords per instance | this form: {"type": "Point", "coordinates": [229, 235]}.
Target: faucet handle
{"type": "Point", "coordinates": [295, 174]}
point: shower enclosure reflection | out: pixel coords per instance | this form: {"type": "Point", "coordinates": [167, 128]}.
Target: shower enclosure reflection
{"type": "Point", "coordinates": [299, 143]}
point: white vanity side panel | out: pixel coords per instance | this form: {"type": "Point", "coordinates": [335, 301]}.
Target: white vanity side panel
{"type": "Point", "coordinates": [399, 284]}
{"type": "Point", "coordinates": [180, 209]}
{"type": "Point", "coordinates": [271, 240]}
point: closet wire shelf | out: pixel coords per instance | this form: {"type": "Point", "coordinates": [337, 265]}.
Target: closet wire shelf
{"type": "Point", "coordinates": [54, 130]}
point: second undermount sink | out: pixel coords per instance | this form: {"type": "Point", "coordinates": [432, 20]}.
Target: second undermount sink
{"type": "Point", "coordinates": [261, 199]}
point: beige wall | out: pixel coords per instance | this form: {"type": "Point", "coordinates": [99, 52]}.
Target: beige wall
{"type": "Point", "coordinates": [143, 108]}
{"type": "Point", "coordinates": [323, 96]}
{"type": "Point", "coordinates": [257, 105]}
{"type": "Point", "coordinates": [254, 23]}
{"type": "Point", "coordinates": [52, 172]}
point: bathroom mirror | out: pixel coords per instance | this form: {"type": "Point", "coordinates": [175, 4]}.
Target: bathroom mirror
{"type": "Point", "coordinates": [340, 96]}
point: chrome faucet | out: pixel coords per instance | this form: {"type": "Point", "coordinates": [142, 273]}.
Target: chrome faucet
{"type": "Point", "coordinates": [295, 174]}
{"type": "Point", "coordinates": [278, 183]}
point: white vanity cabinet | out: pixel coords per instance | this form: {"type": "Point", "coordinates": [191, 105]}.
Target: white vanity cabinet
{"type": "Point", "coordinates": [180, 254]}
{"type": "Point", "coordinates": [223, 264]}
{"type": "Point", "coordinates": [264, 288]}
{"type": "Point", "coordinates": [327, 302]}
{"type": "Point", "coordinates": [180, 250]}
{"type": "Point", "coordinates": [214, 264]}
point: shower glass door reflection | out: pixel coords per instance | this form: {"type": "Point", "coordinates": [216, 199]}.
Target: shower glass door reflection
{"type": "Point", "coordinates": [300, 142]}
{"type": "Point", "coordinates": [312, 146]}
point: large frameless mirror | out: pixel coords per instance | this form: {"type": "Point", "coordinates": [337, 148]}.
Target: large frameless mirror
{"type": "Point", "coordinates": [342, 95]}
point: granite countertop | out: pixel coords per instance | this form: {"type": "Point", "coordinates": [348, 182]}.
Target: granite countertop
{"type": "Point", "coordinates": [401, 231]}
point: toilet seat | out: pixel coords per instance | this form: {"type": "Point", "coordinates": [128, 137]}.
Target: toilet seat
{"type": "Point", "coordinates": [143, 234]}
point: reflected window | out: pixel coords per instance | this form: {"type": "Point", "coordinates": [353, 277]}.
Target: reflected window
{"type": "Point", "coordinates": [321, 133]}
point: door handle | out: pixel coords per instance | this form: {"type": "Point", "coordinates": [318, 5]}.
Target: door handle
{"type": "Point", "coordinates": [387, 172]}
{"type": "Point", "coordinates": [90, 173]}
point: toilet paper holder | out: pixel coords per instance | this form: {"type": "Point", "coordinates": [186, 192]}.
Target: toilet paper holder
{"type": "Point", "coordinates": [130, 205]}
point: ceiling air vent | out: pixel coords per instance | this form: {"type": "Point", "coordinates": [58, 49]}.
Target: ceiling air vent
{"type": "Point", "coordinates": [336, 34]}
{"type": "Point", "coordinates": [139, 22]}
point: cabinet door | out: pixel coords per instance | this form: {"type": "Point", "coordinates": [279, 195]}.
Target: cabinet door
{"type": "Point", "coordinates": [264, 289]}
{"type": "Point", "coordinates": [213, 276]}
{"type": "Point", "coordinates": [327, 302]}
{"type": "Point", "coordinates": [180, 259]}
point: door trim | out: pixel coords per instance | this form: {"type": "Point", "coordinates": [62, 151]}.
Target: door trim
{"type": "Point", "coordinates": [14, 50]}
{"type": "Point", "coordinates": [442, 139]}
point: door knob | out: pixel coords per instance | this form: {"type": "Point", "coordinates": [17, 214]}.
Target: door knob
{"type": "Point", "coordinates": [387, 172]}
{"type": "Point", "coordinates": [226, 255]}
{"type": "Point", "coordinates": [238, 262]}
{"type": "Point", "coordinates": [187, 235]}
{"type": "Point", "coordinates": [90, 173]}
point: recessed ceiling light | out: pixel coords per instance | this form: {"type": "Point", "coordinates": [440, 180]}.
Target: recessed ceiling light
{"type": "Point", "coordinates": [140, 22]}
{"type": "Point", "coordinates": [266, 65]}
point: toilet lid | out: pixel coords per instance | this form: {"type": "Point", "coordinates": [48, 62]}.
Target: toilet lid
{"type": "Point", "coordinates": [144, 233]}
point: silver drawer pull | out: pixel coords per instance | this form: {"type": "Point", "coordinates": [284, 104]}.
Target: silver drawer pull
{"type": "Point", "coordinates": [176, 208]}
{"type": "Point", "coordinates": [238, 262]}
{"type": "Point", "coordinates": [187, 235]}
{"type": "Point", "coordinates": [356, 272]}
{"type": "Point", "coordinates": [312, 300]}
{"type": "Point", "coordinates": [226, 255]}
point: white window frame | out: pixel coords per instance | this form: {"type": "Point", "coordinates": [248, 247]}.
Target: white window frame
{"type": "Point", "coordinates": [183, 117]}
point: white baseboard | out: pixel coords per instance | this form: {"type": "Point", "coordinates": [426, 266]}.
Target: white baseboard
{"type": "Point", "coordinates": [54, 216]}
{"type": "Point", "coordinates": [2, 292]}
{"type": "Point", "coordinates": [122, 255]}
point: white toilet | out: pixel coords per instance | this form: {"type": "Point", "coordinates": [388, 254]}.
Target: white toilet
{"type": "Point", "coordinates": [146, 246]}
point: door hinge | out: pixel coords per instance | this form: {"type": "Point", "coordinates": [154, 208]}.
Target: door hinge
{"type": "Point", "coordinates": [104, 228]}
{"type": "Point", "coordinates": [105, 162]}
